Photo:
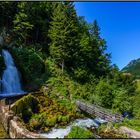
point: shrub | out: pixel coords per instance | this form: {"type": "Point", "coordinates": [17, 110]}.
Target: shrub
{"type": "Point", "coordinates": [132, 123]}
{"type": "Point", "coordinates": [78, 132]}
{"type": "Point", "coordinates": [136, 105]}
{"type": "Point", "coordinates": [104, 90]}
{"type": "Point", "coordinates": [122, 102]}
{"type": "Point", "coordinates": [81, 74]}
{"type": "Point", "coordinates": [30, 64]}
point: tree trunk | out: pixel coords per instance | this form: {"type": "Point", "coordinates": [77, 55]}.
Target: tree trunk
{"type": "Point", "coordinates": [62, 66]}
{"type": "Point", "coordinates": [37, 33]}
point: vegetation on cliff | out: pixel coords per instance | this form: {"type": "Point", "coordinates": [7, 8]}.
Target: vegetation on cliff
{"type": "Point", "coordinates": [133, 68]}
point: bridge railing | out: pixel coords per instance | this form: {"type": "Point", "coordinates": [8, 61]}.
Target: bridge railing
{"type": "Point", "coordinates": [98, 111]}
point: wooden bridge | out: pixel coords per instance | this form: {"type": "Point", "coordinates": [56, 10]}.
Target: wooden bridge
{"type": "Point", "coordinates": [97, 111]}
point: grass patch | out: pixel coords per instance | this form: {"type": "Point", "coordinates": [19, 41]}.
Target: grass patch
{"type": "Point", "coordinates": [130, 123]}
{"type": "Point", "coordinates": [78, 132]}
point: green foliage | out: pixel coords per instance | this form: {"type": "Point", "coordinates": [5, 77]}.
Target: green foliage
{"type": "Point", "coordinates": [110, 132]}
{"type": "Point", "coordinates": [26, 107]}
{"type": "Point", "coordinates": [21, 24]}
{"type": "Point", "coordinates": [7, 12]}
{"type": "Point", "coordinates": [78, 132]}
{"type": "Point", "coordinates": [64, 39]}
{"type": "Point", "coordinates": [133, 68]}
{"type": "Point", "coordinates": [50, 121]}
{"type": "Point", "coordinates": [81, 74]}
{"type": "Point", "coordinates": [31, 23]}
{"type": "Point", "coordinates": [55, 47]}
{"type": "Point", "coordinates": [99, 59]}
{"type": "Point", "coordinates": [131, 123]}
{"type": "Point", "coordinates": [31, 66]}
{"type": "Point", "coordinates": [137, 85]}
{"type": "Point", "coordinates": [52, 112]}
{"type": "Point", "coordinates": [122, 102]}
{"type": "Point", "coordinates": [136, 105]}
{"type": "Point", "coordinates": [36, 122]}
{"type": "Point", "coordinates": [104, 90]}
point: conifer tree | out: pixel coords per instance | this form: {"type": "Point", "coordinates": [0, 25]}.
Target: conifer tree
{"type": "Point", "coordinates": [64, 34]}
{"type": "Point", "coordinates": [100, 58]}
{"type": "Point", "coordinates": [21, 23]}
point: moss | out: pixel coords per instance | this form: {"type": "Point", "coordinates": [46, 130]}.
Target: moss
{"type": "Point", "coordinates": [78, 132]}
{"type": "Point", "coordinates": [41, 112]}
{"type": "Point", "coordinates": [36, 122]}
{"type": "Point", "coordinates": [50, 121]}
{"type": "Point", "coordinates": [111, 132]}
{"type": "Point", "coordinates": [26, 107]}
{"type": "Point", "coordinates": [65, 119]}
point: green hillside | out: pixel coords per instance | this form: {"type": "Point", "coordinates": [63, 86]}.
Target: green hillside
{"type": "Point", "coordinates": [133, 67]}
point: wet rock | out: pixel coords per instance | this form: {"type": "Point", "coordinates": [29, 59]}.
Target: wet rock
{"type": "Point", "coordinates": [1, 41]}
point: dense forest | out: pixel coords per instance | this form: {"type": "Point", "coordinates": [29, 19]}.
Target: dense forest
{"type": "Point", "coordinates": [63, 58]}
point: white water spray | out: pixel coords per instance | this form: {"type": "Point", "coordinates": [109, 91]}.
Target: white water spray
{"type": "Point", "coordinates": [62, 132]}
{"type": "Point", "coordinates": [10, 79]}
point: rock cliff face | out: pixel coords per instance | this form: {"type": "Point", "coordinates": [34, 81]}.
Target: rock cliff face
{"type": "Point", "coordinates": [1, 41]}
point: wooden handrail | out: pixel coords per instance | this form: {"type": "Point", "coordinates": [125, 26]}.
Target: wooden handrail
{"type": "Point", "coordinates": [98, 111]}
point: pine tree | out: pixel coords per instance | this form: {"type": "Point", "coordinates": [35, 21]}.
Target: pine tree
{"type": "Point", "coordinates": [72, 34]}
{"type": "Point", "coordinates": [22, 25]}
{"type": "Point", "coordinates": [101, 59]}
{"type": "Point", "coordinates": [63, 34]}
{"type": "Point", "coordinates": [7, 13]}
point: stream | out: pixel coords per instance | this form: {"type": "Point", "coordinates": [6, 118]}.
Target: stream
{"type": "Point", "coordinates": [62, 132]}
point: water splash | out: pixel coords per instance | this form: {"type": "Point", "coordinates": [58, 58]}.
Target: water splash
{"type": "Point", "coordinates": [10, 80]}
{"type": "Point", "coordinates": [61, 132]}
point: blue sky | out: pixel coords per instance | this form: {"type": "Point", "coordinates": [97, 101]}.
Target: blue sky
{"type": "Point", "coordinates": [120, 27]}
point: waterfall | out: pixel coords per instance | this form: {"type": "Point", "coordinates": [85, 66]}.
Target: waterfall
{"type": "Point", "coordinates": [10, 82]}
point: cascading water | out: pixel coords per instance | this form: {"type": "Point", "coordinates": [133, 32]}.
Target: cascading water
{"type": "Point", "coordinates": [62, 132]}
{"type": "Point", "coordinates": [10, 82]}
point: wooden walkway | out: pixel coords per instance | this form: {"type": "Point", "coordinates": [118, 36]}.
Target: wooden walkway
{"type": "Point", "coordinates": [97, 111]}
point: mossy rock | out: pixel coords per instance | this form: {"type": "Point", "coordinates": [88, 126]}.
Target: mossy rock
{"type": "Point", "coordinates": [36, 122]}
{"type": "Point", "coordinates": [65, 119]}
{"type": "Point", "coordinates": [26, 107]}
{"type": "Point", "coordinates": [51, 121]}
